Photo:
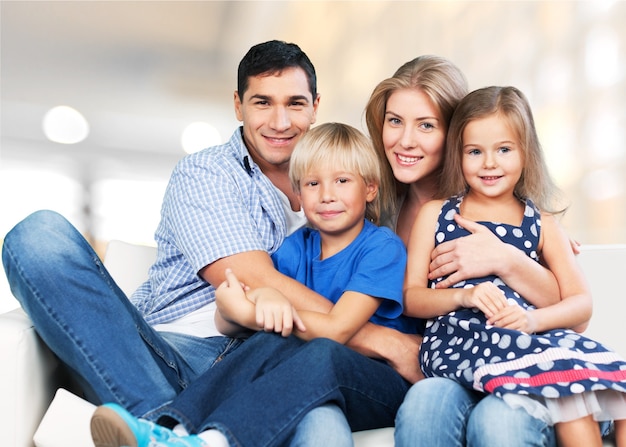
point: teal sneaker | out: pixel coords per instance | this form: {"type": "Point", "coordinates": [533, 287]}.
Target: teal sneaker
{"type": "Point", "coordinates": [112, 426]}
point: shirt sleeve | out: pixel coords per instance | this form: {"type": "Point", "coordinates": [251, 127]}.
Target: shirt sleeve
{"type": "Point", "coordinates": [380, 272]}
{"type": "Point", "coordinates": [210, 213]}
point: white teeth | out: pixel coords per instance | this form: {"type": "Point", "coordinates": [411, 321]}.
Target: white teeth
{"type": "Point", "coordinates": [405, 159]}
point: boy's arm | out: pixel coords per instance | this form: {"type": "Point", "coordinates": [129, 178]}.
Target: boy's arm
{"type": "Point", "coordinates": [345, 318]}
{"type": "Point", "coordinates": [256, 268]}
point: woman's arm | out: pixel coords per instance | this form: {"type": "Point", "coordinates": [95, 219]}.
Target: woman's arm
{"type": "Point", "coordinates": [424, 302]}
{"type": "Point", "coordinates": [482, 254]}
{"type": "Point", "coordinates": [575, 306]}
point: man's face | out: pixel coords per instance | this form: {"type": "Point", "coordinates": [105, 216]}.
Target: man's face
{"type": "Point", "coordinates": [276, 111]}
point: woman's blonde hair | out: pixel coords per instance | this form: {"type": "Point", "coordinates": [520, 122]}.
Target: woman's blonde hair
{"type": "Point", "coordinates": [441, 80]}
{"type": "Point", "coordinates": [535, 182]}
{"type": "Point", "coordinates": [341, 145]}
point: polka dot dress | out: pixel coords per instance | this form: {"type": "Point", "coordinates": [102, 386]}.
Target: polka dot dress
{"type": "Point", "coordinates": [553, 364]}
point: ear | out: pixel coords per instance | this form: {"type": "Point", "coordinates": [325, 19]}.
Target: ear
{"type": "Point", "coordinates": [316, 104]}
{"type": "Point", "coordinates": [238, 111]}
{"type": "Point", "coordinates": [372, 191]}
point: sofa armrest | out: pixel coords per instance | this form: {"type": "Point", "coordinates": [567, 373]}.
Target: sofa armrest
{"type": "Point", "coordinates": [29, 377]}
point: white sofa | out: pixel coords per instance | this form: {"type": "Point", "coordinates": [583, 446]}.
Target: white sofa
{"type": "Point", "coordinates": [31, 377]}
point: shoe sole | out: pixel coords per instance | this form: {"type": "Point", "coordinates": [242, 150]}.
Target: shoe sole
{"type": "Point", "coordinates": [108, 429]}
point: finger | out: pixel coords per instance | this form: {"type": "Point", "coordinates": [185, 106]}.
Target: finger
{"type": "Point", "coordinates": [287, 324]}
{"type": "Point", "coordinates": [448, 282]}
{"type": "Point", "coordinates": [298, 321]}
{"type": "Point", "coordinates": [231, 279]}
{"type": "Point", "coordinates": [469, 225]}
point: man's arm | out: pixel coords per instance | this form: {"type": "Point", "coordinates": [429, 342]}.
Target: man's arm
{"type": "Point", "coordinates": [255, 269]}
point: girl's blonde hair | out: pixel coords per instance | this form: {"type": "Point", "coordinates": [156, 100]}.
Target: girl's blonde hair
{"type": "Point", "coordinates": [441, 80]}
{"type": "Point", "coordinates": [535, 182]}
{"type": "Point", "coordinates": [338, 145]}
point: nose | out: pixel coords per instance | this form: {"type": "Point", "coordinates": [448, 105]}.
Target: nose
{"type": "Point", "coordinates": [280, 119]}
{"type": "Point", "coordinates": [490, 160]}
{"type": "Point", "coordinates": [327, 193]}
{"type": "Point", "coordinates": [408, 138]}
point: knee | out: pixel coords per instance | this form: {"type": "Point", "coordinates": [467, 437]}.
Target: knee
{"type": "Point", "coordinates": [40, 235]}
{"type": "Point", "coordinates": [35, 226]}
{"type": "Point", "coordinates": [434, 413]}
{"type": "Point", "coordinates": [515, 427]}
{"type": "Point", "coordinates": [437, 398]}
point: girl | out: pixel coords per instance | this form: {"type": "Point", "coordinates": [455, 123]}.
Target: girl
{"type": "Point", "coordinates": [336, 175]}
{"type": "Point", "coordinates": [481, 332]}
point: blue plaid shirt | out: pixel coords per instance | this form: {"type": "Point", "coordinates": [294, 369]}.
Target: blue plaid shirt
{"type": "Point", "coordinates": [218, 203]}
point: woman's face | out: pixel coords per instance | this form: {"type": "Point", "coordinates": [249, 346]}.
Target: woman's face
{"type": "Point", "coordinates": [414, 135]}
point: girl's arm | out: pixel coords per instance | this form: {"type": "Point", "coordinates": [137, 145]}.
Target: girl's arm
{"type": "Point", "coordinates": [424, 302]}
{"type": "Point", "coordinates": [575, 306]}
{"type": "Point", "coordinates": [482, 254]}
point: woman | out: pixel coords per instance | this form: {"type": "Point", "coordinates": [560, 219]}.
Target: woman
{"type": "Point", "coordinates": [407, 117]}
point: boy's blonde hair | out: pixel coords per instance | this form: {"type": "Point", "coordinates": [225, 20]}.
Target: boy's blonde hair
{"type": "Point", "coordinates": [338, 145]}
{"type": "Point", "coordinates": [535, 182]}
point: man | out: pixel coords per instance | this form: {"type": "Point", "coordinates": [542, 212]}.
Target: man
{"type": "Point", "coordinates": [226, 207]}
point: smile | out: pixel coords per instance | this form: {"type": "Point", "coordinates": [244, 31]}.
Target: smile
{"type": "Point", "coordinates": [408, 160]}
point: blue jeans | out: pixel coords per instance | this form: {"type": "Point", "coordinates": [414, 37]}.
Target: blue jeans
{"type": "Point", "coordinates": [439, 412]}
{"type": "Point", "coordinates": [90, 324]}
{"type": "Point", "coordinates": [291, 378]}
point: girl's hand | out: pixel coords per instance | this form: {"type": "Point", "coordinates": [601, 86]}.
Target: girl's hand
{"type": "Point", "coordinates": [514, 317]}
{"type": "Point", "coordinates": [274, 312]}
{"type": "Point", "coordinates": [486, 297]}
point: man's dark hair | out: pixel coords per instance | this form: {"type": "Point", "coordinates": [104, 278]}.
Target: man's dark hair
{"type": "Point", "coordinates": [271, 58]}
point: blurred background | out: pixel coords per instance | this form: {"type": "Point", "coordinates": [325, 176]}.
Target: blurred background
{"type": "Point", "coordinates": [140, 83]}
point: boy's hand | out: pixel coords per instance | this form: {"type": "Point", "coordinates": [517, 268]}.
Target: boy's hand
{"type": "Point", "coordinates": [274, 312]}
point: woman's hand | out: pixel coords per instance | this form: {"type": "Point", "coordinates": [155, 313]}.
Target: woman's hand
{"type": "Point", "coordinates": [474, 256]}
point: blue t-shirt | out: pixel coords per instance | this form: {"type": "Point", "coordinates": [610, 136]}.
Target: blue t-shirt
{"type": "Point", "coordinates": [373, 264]}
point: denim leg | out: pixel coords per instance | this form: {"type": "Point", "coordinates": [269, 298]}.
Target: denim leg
{"type": "Point", "coordinates": [266, 411]}
{"type": "Point", "coordinates": [494, 422]}
{"type": "Point", "coordinates": [257, 356]}
{"type": "Point", "coordinates": [434, 413]}
{"type": "Point", "coordinates": [88, 322]}
{"type": "Point", "coordinates": [323, 426]}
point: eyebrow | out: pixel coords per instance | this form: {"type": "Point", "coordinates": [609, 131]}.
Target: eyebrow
{"type": "Point", "coordinates": [291, 98]}
{"type": "Point", "coordinates": [419, 118]}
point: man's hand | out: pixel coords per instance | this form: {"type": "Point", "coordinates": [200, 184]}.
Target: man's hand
{"type": "Point", "coordinates": [472, 256]}
{"type": "Point", "coordinates": [405, 359]}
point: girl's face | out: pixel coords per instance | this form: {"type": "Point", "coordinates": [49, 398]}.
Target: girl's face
{"type": "Point", "coordinates": [334, 200]}
{"type": "Point", "coordinates": [492, 156]}
{"type": "Point", "coordinates": [414, 135]}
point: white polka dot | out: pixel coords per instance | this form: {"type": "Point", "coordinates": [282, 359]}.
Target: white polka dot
{"type": "Point", "coordinates": [550, 392]}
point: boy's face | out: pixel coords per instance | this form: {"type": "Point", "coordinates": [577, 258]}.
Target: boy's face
{"type": "Point", "coordinates": [334, 200]}
{"type": "Point", "coordinates": [276, 110]}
